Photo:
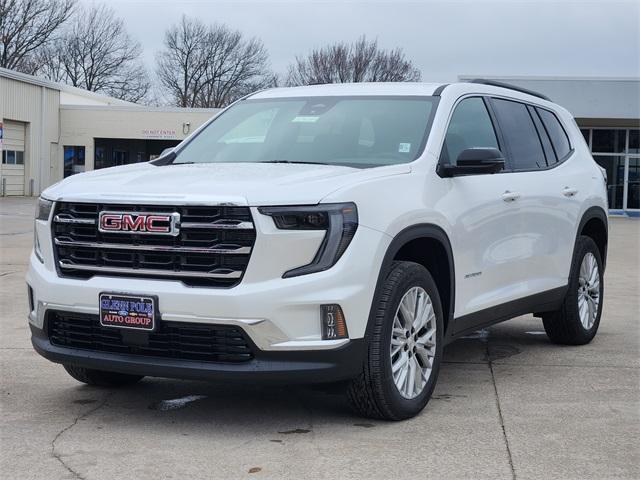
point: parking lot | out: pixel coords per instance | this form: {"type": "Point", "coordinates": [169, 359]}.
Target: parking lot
{"type": "Point", "coordinates": [508, 404]}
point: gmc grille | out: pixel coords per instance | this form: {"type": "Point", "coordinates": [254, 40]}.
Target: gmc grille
{"type": "Point", "coordinates": [212, 249]}
{"type": "Point", "coordinates": [177, 340]}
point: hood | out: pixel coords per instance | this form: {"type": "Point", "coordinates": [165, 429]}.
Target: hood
{"type": "Point", "coordinates": [251, 184]}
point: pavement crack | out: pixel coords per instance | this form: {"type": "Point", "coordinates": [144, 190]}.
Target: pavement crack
{"type": "Point", "coordinates": [10, 234]}
{"type": "Point", "coordinates": [311, 429]}
{"type": "Point", "coordinates": [500, 416]}
{"type": "Point", "coordinates": [559, 365]}
{"type": "Point", "coordinates": [57, 455]}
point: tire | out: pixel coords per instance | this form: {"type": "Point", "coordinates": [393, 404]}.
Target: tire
{"type": "Point", "coordinates": [100, 378]}
{"type": "Point", "coordinates": [374, 392]}
{"type": "Point", "coordinates": [566, 325]}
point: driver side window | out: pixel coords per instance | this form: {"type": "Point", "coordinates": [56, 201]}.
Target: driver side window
{"type": "Point", "coordinates": [470, 127]}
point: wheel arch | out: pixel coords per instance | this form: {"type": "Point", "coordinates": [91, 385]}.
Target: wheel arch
{"type": "Point", "coordinates": [424, 244]}
{"type": "Point", "coordinates": [594, 224]}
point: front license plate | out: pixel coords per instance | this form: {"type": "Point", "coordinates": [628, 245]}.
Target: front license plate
{"type": "Point", "coordinates": [128, 311]}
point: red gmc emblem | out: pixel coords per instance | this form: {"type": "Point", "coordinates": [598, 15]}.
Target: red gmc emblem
{"type": "Point", "coordinates": [147, 223]}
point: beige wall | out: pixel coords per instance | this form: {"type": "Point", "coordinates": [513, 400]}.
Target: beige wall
{"type": "Point", "coordinates": [37, 107]}
{"type": "Point", "coordinates": [81, 124]}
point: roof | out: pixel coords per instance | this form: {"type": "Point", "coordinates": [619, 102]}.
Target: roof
{"type": "Point", "coordinates": [396, 88]}
{"type": "Point", "coordinates": [349, 89]}
{"type": "Point", "coordinates": [41, 82]}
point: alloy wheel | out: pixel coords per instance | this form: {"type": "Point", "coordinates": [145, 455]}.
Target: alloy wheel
{"type": "Point", "coordinates": [588, 291]}
{"type": "Point", "coordinates": [413, 342]}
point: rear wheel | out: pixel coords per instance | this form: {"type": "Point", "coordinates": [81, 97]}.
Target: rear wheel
{"type": "Point", "coordinates": [405, 347]}
{"type": "Point", "coordinates": [101, 378]}
{"type": "Point", "coordinates": [577, 320]}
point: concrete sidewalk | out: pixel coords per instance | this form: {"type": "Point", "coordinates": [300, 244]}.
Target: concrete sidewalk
{"type": "Point", "coordinates": [508, 404]}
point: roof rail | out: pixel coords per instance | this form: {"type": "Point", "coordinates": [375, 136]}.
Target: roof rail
{"type": "Point", "coordinates": [494, 83]}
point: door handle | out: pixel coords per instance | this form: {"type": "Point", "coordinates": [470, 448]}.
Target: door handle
{"type": "Point", "coordinates": [569, 192]}
{"type": "Point", "coordinates": [510, 196]}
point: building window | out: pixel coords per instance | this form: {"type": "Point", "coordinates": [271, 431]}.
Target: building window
{"type": "Point", "coordinates": [73, 160]}
{"type": "Point", "coordinates": [617, 150]}
{"type": "Point", "coordinates": [585, 133]}
{"type": "Point", "coordinates": [100, 158]}
{"type": "Point", "coordinates": [634, 140]}
{"type": "Point", "coordinates": [120, 157]}
{"type": "Point", "coordinates": [607, 140]}
{"type": "Point", "coordinates": [12, 157]}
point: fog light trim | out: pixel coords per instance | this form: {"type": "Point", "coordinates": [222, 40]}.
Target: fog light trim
{"type": "Point", "coordinates": [333, 323]}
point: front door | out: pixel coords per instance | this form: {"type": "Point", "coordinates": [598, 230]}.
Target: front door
{"type": "Point", "coordinates": [485, 217]}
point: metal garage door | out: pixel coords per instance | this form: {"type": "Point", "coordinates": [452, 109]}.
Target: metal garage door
{"type": "Point", "coordinates": [12, 168]}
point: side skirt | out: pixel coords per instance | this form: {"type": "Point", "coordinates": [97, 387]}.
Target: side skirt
{"type": "Point", "coordinates": [546, 301]}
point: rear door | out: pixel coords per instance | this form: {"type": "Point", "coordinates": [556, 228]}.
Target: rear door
{"type": "Point", "coordinates": [545, 196]}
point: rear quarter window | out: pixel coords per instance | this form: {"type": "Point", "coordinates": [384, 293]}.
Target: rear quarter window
{"type": "Point", "coordinates": [559, 138]}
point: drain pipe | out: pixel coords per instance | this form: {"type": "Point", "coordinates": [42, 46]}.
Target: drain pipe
{"type": "Point", "coordinates": [42, 163]}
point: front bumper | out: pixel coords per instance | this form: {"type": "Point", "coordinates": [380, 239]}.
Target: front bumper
{"type": "Point", "coordinates": [287, 367]}
{"type": "Point", "coordinates": [277, 314]}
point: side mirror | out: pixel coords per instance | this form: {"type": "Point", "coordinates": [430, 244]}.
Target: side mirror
{"type": "Point", "coordinates": [474, 161]}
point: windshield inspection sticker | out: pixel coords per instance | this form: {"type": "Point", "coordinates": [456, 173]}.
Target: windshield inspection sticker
{"type": "Point", "coordinates": [305, 119]}
{"type": "Point", "coordinates": [404, 147]}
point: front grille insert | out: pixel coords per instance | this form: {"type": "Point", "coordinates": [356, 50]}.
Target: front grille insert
{"type": "Point", "coordinates": [176, 340]}
{"type": "Point", "coordinates": [212, 249]}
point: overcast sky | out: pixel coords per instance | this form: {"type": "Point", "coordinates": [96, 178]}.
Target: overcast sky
{"type": "Point", "coordinates": [442, 38]}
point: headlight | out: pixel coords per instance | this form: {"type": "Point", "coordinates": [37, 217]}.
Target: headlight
{"type": "Point", "coordinates": [44, 209]}
{"type": "Point", "coordinates": [340, 220]}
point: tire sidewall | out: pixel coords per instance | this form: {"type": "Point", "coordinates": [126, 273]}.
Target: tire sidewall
{"type": "Point", "coordinates": [586, 246]}
{"type": "Point", "coordinates": [416, 276]}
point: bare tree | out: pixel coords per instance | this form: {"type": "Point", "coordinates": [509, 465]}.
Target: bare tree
{"type": "Point", "coordinates": [97, 54]}
{"type": "Point", "coordinates": [361, 61]}
{"type": "Point", "coordinates": [27, 26]}
{"type": "Point", "coordinates": [181, 67]}
{"type": "Point", "coordinates": [210, 66]}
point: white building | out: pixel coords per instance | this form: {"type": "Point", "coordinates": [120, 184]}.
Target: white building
{"type": "Point", "coordinates": [50, 131]}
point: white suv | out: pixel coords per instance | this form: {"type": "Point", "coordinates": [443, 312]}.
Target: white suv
{"type": "Point", "coordinates": [322, 234]}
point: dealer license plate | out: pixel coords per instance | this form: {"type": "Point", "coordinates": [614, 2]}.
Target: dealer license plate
{"type": "Point", "coordinates": [128, 311]}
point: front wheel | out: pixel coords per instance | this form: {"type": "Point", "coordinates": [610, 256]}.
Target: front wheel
{"type": "Point", "coordinates": [577, 320]}
{"type": "Point", "coordinates": [404, 349]}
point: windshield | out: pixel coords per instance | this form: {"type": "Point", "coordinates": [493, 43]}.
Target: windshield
{"type": "Point", "coordinates": [353, 131]}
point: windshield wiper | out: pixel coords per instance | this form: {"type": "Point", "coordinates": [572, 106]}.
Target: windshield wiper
{"type": "Point", "coordinates": [294, 161]}
{"type": "Point", "coordinates": [165, 159]}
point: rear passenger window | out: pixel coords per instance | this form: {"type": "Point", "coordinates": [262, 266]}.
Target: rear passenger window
{"type": "Point", "coordinates": [470, 127]}
{"type": "Point", "coordinates": [520, 135]}
{"type": "Point", "coordinates": [549, 152]}
{"type": "Point", "coordinates": [557, 134]}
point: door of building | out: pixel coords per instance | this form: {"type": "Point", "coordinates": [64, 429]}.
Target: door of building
{"type": "Point", "coordinates": [12, 167]}
{"type": "Point", "coordinates": [617, 150]}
